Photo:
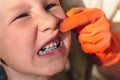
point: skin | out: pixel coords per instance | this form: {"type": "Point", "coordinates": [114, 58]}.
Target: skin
{"type": "Point", "coordinates": [26, 26]}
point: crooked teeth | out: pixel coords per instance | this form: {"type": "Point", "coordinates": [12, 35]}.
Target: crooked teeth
{"type": "Point", "coordinates": [49, 48]}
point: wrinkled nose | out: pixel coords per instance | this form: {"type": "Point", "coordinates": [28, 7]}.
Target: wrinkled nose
{"type": "Point", "coordinates": [47, 22]}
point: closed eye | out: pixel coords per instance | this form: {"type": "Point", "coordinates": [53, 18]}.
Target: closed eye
{"type": "Point", "coordinates": [22, 15]}
{"type": "Point", "coordinates": [49, 6]}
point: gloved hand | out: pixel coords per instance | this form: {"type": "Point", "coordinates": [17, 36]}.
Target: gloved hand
{"type": "Point", "coordinates": [93, 33]}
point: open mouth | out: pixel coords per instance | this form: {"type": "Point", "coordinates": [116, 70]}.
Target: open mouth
{"type": "Point", "coordinates": [49, 47]}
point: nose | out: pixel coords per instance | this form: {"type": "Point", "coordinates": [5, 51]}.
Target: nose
{"type": "Point", "coordinates": [46, 21]}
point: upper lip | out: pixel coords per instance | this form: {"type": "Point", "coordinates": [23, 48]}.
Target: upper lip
{"type": "Point", "coordinates": [54, 36]}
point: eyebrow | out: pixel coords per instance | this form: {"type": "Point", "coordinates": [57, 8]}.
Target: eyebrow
{"type": "Point", "coordinates": [19, 7]}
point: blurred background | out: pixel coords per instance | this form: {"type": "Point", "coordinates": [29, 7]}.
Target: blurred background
{"type": "Point", "coordinates": [79, 66]}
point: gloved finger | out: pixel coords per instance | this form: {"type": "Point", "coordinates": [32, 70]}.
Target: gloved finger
{"type": "Point", "coordinates": [79, 19]}
{"type": "Point", "coordinates": [74, 11]}
{"type": "Point", "coordinates": [99, 25]}
{"type": "Point", "coordinates": [93, 34]}
{"type": "Point", "coordinates": [100, 46]}
{"type": "Point", "coordinates": [107, 59]}
{"type": "Point", "coordinates": [91, 37]}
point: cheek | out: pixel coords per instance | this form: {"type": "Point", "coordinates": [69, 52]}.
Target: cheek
{"type": "Point", "coordinates": [23, 32]}
{"type": "Point", "coordinates": [17, 46]}
{"type": "Point", "coordinates": [67, 41]}
{"type": "Point", "coordinates": [17, 39]}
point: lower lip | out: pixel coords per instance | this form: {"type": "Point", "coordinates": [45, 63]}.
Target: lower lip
{"type": "Point", "coordinates": [53, 53]}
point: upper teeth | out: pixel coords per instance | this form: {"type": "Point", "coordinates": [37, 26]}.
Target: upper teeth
{"type": "Point", "coordinates": [50, 47]}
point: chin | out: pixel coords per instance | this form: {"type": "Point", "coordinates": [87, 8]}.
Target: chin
{"type": "Point", "coordinates": [51, 71]}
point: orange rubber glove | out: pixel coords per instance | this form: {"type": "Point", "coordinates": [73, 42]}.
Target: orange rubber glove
{"type": "Point", "coordinates": [93, 33]}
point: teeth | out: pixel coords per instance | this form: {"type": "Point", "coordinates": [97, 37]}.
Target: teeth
{"type": "Point", "coordinates": [50, 47]}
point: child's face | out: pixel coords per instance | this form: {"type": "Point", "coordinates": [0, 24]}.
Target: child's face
{"type": "Point", "coordinates": [30, 41]}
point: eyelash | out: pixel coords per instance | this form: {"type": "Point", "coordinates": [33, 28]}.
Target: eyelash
{"type": "Point", "coordinates": [48, 7]}
{"type": "Point", "coordinates": [22, 15]}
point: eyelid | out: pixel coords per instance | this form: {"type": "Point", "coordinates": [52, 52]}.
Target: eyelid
{"type": "Point", "coordinates": [49, 6]}
{"type": "Point", "coordinates": [21, 16]}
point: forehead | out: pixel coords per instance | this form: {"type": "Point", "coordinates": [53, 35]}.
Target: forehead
{"type": "Point", "coordinates": [13, 3]}
{"type": "Point", "coordinates": [9, 5]}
